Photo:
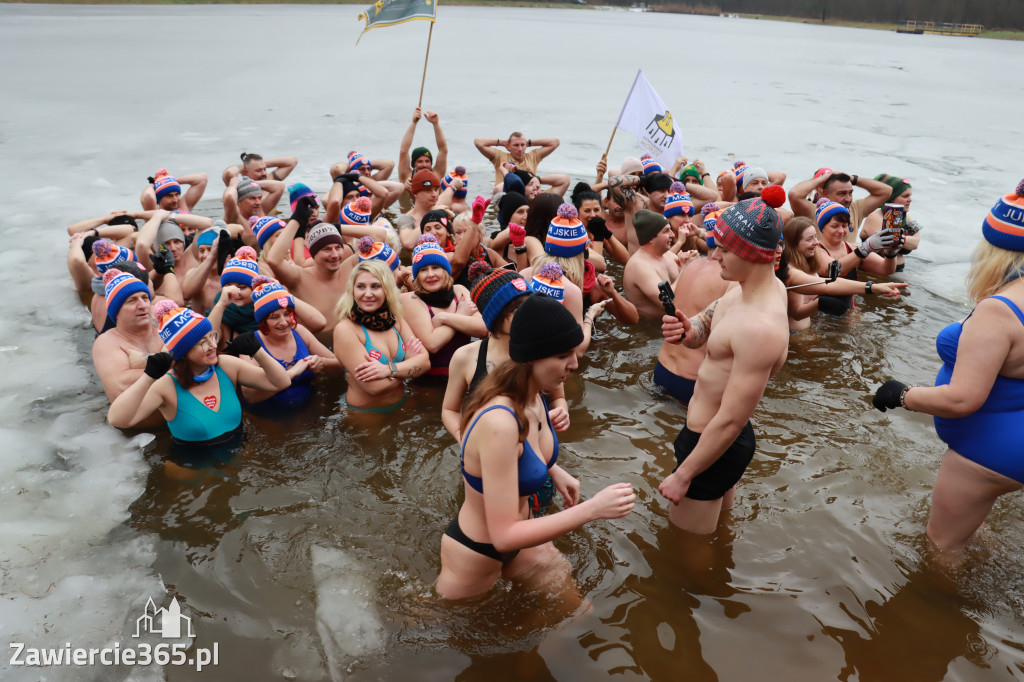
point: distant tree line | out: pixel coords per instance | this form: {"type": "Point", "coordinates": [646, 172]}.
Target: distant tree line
{"type": "Point", "coordinates": [993, 14]}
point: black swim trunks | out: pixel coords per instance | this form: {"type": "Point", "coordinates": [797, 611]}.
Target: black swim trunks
{"type": "Point", "coordinates": [725, 472]}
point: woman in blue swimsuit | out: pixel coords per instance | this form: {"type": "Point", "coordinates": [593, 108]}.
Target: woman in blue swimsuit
{"type": "Point", "coordinates": [191, 385]}
{"type": "Point", "coordinates": [372, 341]}
{"type": "Point", "coordinates": [288, 342]}
{"type": "Point", "coordinates": [978, 397]}
{"type": "Point", "coordinates": [508, 450]}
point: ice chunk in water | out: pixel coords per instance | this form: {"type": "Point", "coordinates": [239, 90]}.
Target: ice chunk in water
{"type": "Point", "coordinates": [346, 617]}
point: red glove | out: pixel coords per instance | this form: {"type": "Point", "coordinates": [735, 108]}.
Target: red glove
{"type": "Point", "coordinates": [517, 234]}
{"type": "Point", "coordinates": [479, 208]}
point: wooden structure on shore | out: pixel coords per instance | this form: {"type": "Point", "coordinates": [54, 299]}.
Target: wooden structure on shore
{"type": "Point", "coordinates": [911, 26]}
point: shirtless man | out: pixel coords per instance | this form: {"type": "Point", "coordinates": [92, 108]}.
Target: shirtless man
{"type": "Point", "coordinates": [652, 263]}
{"type": "Point", "coordinates": [838, 187]}
{"type": "Point", "coordinates": [161, 230]}
{"type": "Point", "coordinates": [164, 191]}
{"type": "Point", "coordinates": [323, 283]}
{"type": "Point", "coordinates": [119, 354]}
{"type": "Point", "coordinates": [515, 152]}
{"type": "Point", "coordinates": [245, 198]}
{"type": "Point", "coordinates": [421, 157]}
{"type": "Point", "coordinates": [699, 284]}
{"type": "Point", "coordinates": [255, 168]}
{"type": "Point", "coordinates": [747, 337]}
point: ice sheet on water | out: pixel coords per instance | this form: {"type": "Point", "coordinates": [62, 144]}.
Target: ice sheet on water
{"type": "Point", "coordinates": [346, 617]}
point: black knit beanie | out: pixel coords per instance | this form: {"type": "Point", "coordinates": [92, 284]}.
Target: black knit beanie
{"type": "Point", "coordinates": [542, 327]}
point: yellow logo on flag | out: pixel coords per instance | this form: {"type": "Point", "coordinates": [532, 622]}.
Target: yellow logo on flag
{"type": "Point", "coordinates": [665, 122]}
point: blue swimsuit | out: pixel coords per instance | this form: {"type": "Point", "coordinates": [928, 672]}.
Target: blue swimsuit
{"type": "Point", "coordinates": [195, 424]}
{"type": "Point", "coordinates": [301, 390]}
{"type": "Point", "coordinates": [994, 435]}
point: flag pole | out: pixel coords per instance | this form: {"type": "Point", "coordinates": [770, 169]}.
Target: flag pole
{"type": "Point", "coordinates": [609, 147]}
{"type": "Point", "coordinates": [424, 79]}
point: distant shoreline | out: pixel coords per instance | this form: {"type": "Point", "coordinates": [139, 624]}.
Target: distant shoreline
{"type": "Point", "coordinates": [702, 10]}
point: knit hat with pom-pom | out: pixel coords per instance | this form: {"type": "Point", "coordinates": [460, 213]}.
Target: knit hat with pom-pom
{"type": "Point", "coordinates": [1004, 224]}
{"type": "Point", "coordinates": [369, 249]}
{"type": "Point", "coordinates": [566, 235]}
{"type": "Point", "coordinates": [548, 280]}
{"type": "Point", "coordinates": [180, 328]}
{"type": "Point", "coordinates": [241, 269]}
{"type": "Point", "coordinates": [751, 229]}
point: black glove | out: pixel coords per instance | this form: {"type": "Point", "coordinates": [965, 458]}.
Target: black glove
{"type": "Point", "coordinates": [599, 228]}
{"type": "Point", "coordinates": [303, 212]}
{"type": "Point", "coordinates": [163, 261]}
{"type": "Point", "coordinates": [888, 395]}
{"type": "Point", "coordinates": [243, 344]}
{"type": "Point", "coordinates": [158, 364]}
{"type": "Point", "coordinates": [189, 238]}
{"type": "Point", "coordinates": [224, 249]}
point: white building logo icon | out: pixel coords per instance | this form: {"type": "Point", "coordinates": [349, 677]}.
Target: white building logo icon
{"type": "Point", "coordinates": [163, 622]}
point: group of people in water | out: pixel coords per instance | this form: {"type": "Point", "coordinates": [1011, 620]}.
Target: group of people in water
{"type": "Point", "coordinates": [199, 317]}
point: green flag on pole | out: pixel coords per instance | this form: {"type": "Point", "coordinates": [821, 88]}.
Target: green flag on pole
{"type": "Point", "coordinates": [391, 12]}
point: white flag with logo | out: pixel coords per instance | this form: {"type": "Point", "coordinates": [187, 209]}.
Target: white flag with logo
{"type": "Point", "coordinates": [644, 114]}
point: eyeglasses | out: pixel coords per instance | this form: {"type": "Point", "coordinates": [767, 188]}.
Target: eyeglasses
{"type": "Point", "coordinates": [209, 342]}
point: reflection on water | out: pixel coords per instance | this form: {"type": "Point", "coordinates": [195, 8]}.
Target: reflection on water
{"type": "Point", "coordinates": [311, 553]}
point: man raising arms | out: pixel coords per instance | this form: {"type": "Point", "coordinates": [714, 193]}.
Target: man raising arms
{"type": "Point", "coordinates": [747, 336]}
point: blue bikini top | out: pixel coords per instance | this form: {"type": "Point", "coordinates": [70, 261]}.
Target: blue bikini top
{"type": "Point", "coordinates": [533, 473]}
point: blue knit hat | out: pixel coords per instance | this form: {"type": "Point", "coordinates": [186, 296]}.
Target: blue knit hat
{"type": "Point", "coordinates": [269, 295]}
{"type": "Point", "coordinates": [107, 253]}
{"type": "Point", "coordinates": [369, 249]}
{"type": "Point", "coordinates": [429, 252]}
{"type": "Point", "coordinates": [650, 165]}
{"type": "Point", "coordinates": [264, 228]}
{"type": "Point", "coordinates": [1004, 224]}
{"type": "Point", "coordinates": [827, 210]}
{"type": "Point", "coordinates": [118, 287]}
{"type": "Point", "coordinates": [164, 184]}
{"type": "Point", "coordinates": [241, 269]}
{"type": "Point", "coordinates": [460, 174]}
{"type": "Point", "coordinates": [180, 328]}
{"type": "Point", "coordinates": [494, 290]}
{"type": "Point", "coordinates": [566, 235]}
{"type": "Point", "coordinates": [356, 212]}
{"type": "Point", "coordinates": [678, 202]}
{"type": "Point", "coordinates": [548, 280]}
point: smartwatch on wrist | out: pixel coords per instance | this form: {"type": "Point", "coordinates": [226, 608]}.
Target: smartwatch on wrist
{"type": "Point", "coordinates": [393, 367]}
{"type": "Point", "coordinates": [520, 249]}
{"type": "Point", "coordinates": [867, 286]}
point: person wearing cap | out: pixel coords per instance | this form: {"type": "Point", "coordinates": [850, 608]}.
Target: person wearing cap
{"type": "Point", "coordinates": [679, 210]}
{"type": "Point", "coordinates": [699, 284]}
{"type": "Point", "coordinates": [458, 180]}
{"type": "Point", "coordinates": [421, 158]}
{"type": "Point", "coordinates": [369, 178]}
{"type": "Point", "coordinates": [439, 311]}
{"type": "Point", "coordinates": [117, 226]}
{"type": "Point", "coordinates": [81, 260]}
{"type": "Point", "coordinates": [255, 167]}
{"type": "Point", "coordinates": [747, 337]}
{"type": "Point", "coordinates": [161, 233]}
{"type": "Point", "coordinates": [838, 187]}
{"type": "Point", "coordinates": [290, 343]}
{"type": "Point", "coordinates": [509, 448]}
{"type": "Point", "coordinates": [978, 397]}
{"type": "Point", "coordinates": [875, 255]}
{"type": "Point", "coordinates": [118, 354]}
{"type": "Point", "coordinates": [193, 387]}
{"type": "Point", "coordinates": [901, 194]}
{"type": "Point", "coordinates": [244, 198]}
{"type": "Point", "coordinates": [323, 281]}
{"type": "Point", "coordinates": [800, 260]}
{"type": "Point", "coordinates": [514, 151]}
{"type": "Point", "coordinates": [373, 342]}
{"type": "Point", "coordinates": [164, 191]}
{"type": "Point", "coordinates": [425, 187]}
{"type": "Point", "coordinates": [652, 263]}
{"type": "Point", "coordinates": [348, 188]}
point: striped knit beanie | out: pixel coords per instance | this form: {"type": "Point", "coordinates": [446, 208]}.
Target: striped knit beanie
{"type": "Point", "coordinates": [458, 174]}
{"type": "Point", "coordinates": [1004, 224]}
{"type": "Point", "coordinates": [429, 252]}
{"type": "Point", "coordinates": [241, 269]}
{"type": "Point", "coordinates": [264, 228]}
{"type": "Point", "coordinates": [650, 165]}
{"type": "Point", "coordinates": [107, 253]}
{"type": "Point", "coordinates": [827, 210]}
{"type": "Point", "coordinates": [164, 184]}
{"type": "Point", "coordinates": [118, 287]}
{"type": "Point", "coordinates": [566, 235]}
{"type": "Point", "coordinates": [180, 328]}
{"type": "Point", "coordinates": [548, 280]}
{"type": "Point", "coordinates": [269, 295]}
{"type": "Point", "coordinates": [356, 212]}
{"type": "Point", "coordinates": [495, 289]}
{"type": "Point", "coordinates": [369, 249]}
{"type": "Point", "coordinates": [751, 229]}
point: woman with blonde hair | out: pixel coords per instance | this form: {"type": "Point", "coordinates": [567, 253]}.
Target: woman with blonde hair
{"type": "Point", "coordinates": [978, 397]}
{"type": "Point", "coordinates": [372, 341]}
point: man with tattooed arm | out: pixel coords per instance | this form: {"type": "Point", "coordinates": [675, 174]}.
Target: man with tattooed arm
{"type": "Point", "coordinates": [747, 336]}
